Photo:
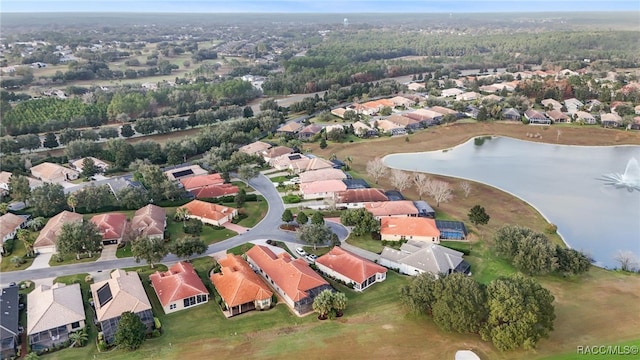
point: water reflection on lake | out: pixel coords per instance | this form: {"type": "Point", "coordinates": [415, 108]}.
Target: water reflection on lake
{"type": "Point", "coordinates": [562, 182]}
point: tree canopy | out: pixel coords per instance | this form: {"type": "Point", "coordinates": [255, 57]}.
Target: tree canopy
{"type": "Point", "coordinates": [131, 331]}
{"type": "Point", "coordinates": [79, 237]}
{"type": "Point", "coordinates": [363, 221]}
{"type": "Point", "coordinates": [150, 250]}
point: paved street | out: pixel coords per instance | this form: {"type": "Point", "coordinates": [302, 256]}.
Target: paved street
{"type": "Point", "coordinates": [268, 228]}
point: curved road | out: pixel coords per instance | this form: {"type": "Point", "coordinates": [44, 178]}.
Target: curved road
{"type": "Point", "coordinates": [268, 228]}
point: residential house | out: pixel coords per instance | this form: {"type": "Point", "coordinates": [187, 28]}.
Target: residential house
{"type": "Point", "coordinates": [177, 173]}
{"type": "Point", "coordinates": [275, 152]}
{"type": "Point", "coordinates": [573, 105]}
{"type": "Point", "coordinates": [113, 227]}
{"type": "Point", "coordinates": [5, 179]}
{"type": "Point", "coordinates": [53, 173]}
{"type": "Point", "coordinates": [309, 131]}
{"type": "Point", "coordinates": [417, 257]}
{"type": "Point", "coordinates": [53, 312]}
{"type": "Point", "coordinates": [200, 181]}
{"type": "Point", "coordinates": [406, 122]}
{"type": "Point", "coordinates": [444, 111]}
{"type": "Point", "coordinates": [215, 191]}
{"type": "Point", "coordinates": [558, 116]}
{"type": "Point", "coordinates": [363, 130]}
{"type": "Point", "coordinates": [255, 148]}
{"type": "Point", "coordinates": [379, 104]}
{"type": "Point", "coordinates": [401, 101]}
{"type": "Point", "coordinates": [536, 117]}
{"type": "Point", "coordinates": [122, 292]}
{"type": "Point", "coordinates": [100, 164]}
{"type": "Point", "coordinates": [289, 161]}
{"type": "Point", "coordinates": [149, 221]}
{"type": "Point", "coordinates": [416, 86]}
{"type": "Point", "coordinates": [451, 92]}
{"type": "Point", "coordinates": [324, 189]}
{"type": "Point", "coordinates": [390, 128]}
{"type": "Point", "coordinates": [409, 228]}
{"type": "Point", "coordinates": [9, 226]}
{"type": "Point", "coordinates": [488, 89]}
{"type": "Point", "coordinates": [9, 330]}
{"type": "Point", "coordinates": [209, 213]}
{"type": "Point", "coordinates": [358, 198]}
{"type": "Point", "coordinates": [322, 174]}
{"type": "Point", "coordinates": [451, 230]}
{"type": "Point", "coordinates": [511, 114]}
{"type": "Point", "coordinates": [391, 208]}
{"type": "Point", "coordinates": [424, 209]}
{"type": "Point", "coordinates": [330, 128]}
{"type": "Point", "coordinates": [636, 109]}
{"type": "Point", "coordinates": [472, 111]}
{"type": "Point", "coordinates": [551, 104]}
{"type": "Point", "coordinates": [240, 287]}
{"type": "Point", "coordinates": [339, 112]}
{"type": "Point", "coordinates": [468, 96]}
{"type": "Point", "coordinates": [293, 280]}
{"type": "Point", "coordinates": [585, 117]}
{"type": "Point", "coordinates": [351, 268]}
{"type": "Point", "coordinates": [179, 287]}
{"type": "Point", "coordinates": [290, 128]}
{"type": "Point", "coordinates": [635, 125]}
{"type": "Point", "coordinates": [492, 98]}
{"type": "Point", "coordinates": [311, 164]}
{"type": "Point", "coordinates": [610, 120]}
{"type": "Point", "coordinates": [48, 237]}
{"type": "Point", "coordinates": [425, 117]}
{"type": "Point", "coordinates": [363, 109]}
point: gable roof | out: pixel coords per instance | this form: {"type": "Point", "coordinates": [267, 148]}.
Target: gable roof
{"type": "Point", "coordinates": [213, 191]}
{"type": "Point", "coordinates": [443, 110]}
{"type": "Point", "coordinates": [402, 120]}
{"type": "Point", "coordinates": [255, 147]}
{"type": "Point", "coordinates": [149, 220]}
{"type": "Point", "coordinates": [584, 115]}
{"type": "Point", "coordinates": [237, 283]}
{"type": "Point", "coordinates": [111, 225]}
{"type": "Point", "coordinates": [350, 265]}
{"type": "Point", "coordinates": [361, 196]}
{"type": "Point", "coordinates": [387, 125]}
{"type": "Point", "coordinates": [315, 163]}
{"type": "Point", "coordinates": [429, 113]}
{"type": "Point", "coordinates": [401, 100]}
{"type": "Point", "coordinates": [556, 115]}
{"type": "Point", "coordinates": [180, 281]}
{"type": "Point", "coordinates": [534, 114]}
{"type": "Point", "coordinates": [49, 307]}
{"type": "Point", "coordinates": [424, 256]}
{"type": "Point", "coordinates": [99, 163]}
{"type": "Point", "coordinates": [8, 223]}
{"type": "Point", "coordinates": [390, 208]}
{"type": "Point", "coordinates": [198, 181]}
{"type": "Point", "coordinates": [9, 312]}
{"type": "Point", "coordinates": [48, 171]}
{"type": "Point", "coordinates": [511, 112]}
{"type": "Point", "coordinates": [178, 172]}
{"type": "Point", "coordinates": [127, 294]}
{"type": "Point", "coordinates": [277, 151]}
{"type": "Point", "coordinates": [294, 277]}
{"type": "Point", "coordinates": [311, 129]}
{"type": "Point", "coordinates": [207, 210]}
{"type": "Point", "coordinates": [49, 234]}
{"type": "Point", "coordinates": [610, 117]}
{"type": "Point", "coordinates": [291, 127]}
{"type": "Point", "coordinates": [409, 226]}
{"type": "Point", "coordinates": [322, 174]}
{"type": "Point", "coordinates": [323, 186]}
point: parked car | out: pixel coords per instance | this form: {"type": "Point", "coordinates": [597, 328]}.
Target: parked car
{"type": "Point", "coordinates": [311, 257]}
{"type": "Point", "coordinates": [301, 251]}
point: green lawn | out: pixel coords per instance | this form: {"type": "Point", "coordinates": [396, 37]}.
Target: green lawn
{"type": "Point", "coordinates": [209, 235]}
{"type": "Point", "coordinates": [20, 251]}
{"type": "Point", "coordinates": [280, 179]}
{"type": "Point", "coordinates": [240, 249]}
{"type": "Point", "coordinates": [284, 246]}
{"type": "Point", "coordinates": [71, 259]}
{"type": "Point", "coordinates": [365, 242]}
{"type": "Point", "coordinates": [486, 265]}
{"type": "Point", "coordinates": [124, 252]}
{"type": "Point", "coordinates": [252, 211]}
{"type": "Point", "coordinates": [242, 185]}
{"type": "Point", "coordinates": [318, 252]}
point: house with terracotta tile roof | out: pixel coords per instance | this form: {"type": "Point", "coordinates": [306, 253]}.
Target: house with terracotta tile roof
{"type": "Point", "coordinates": [324, 189]}
{"type": "Point", "coordinates": [309, 131]}
{"type": "Point", "coordinates": [390, 128]}
{"type": "Point", "coordinates": [122, 292]}
{"type": "Point", "coordinates": [179, 287]}
{"type": "Point", "coordinates": [53, 173]}
{"type": "Point", "coordinates": [240, 287]}
{"type": "Point", "coordinates": [357, 198]}
{"type": "Point", "coordinates": [5, 179]}
{"type": "Point", "coordinates": [322, 174]}
{"type": "Point", "coordinates": [53, 312]}
{"type": "Point", "coordinates": [48, 237]}
{"type": "Point", "coordinates": [113, 227]}
{"type": "Point", "coordinates": [276, 152]}
{"type": "Point", "coordinates": [215, 191]}
{"type": "Point", "coordinates": [9, 226]}
{"type": "Point", "coordinates": [200, 181]}
{"type": "Point", "coordinates": [176, 173]}
{"type": "Point", "coordinates": [399, 208]}
{"type": "Point", "coordinates": [558, 116]}
{"type": "Point", "coordinates": [209, 213]}
{"type": "Point", "coordinates": [149, 221]}
{"type": "Point", "coordinates": [417, 257]}
{"type": "Point", "coordinates": [351, 268]}
{"type": "Point", "coordinates": [255, 148]}
{"type": "Point", "coordinates": [409, 228]}
{"type": "Point", "coordinates": [293, 280]}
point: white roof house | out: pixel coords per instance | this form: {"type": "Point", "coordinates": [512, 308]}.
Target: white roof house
{"type": "Point", "coordinates": [50, 307]}
{"type": "Point", "coordinates": [416, 257]}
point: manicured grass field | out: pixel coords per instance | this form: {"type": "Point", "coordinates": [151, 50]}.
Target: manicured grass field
{"type": "Point", "coordinates": [209, 235]}
{"type": "Point", "coordinates": [253, 210]}
{"type": "Point", "coordinates": [240, 249]}
{"type": "Point", "coordinates": [20, 251]}
{"type": "Point", "coordinates": [366, 242]}
{"type": "Point", "coordinates": [71, 259]}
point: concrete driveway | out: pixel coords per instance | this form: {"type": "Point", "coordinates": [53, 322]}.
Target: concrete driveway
{"type": "Point", "coordinates": [108, 253]}
{"type": "Point", "coordinates": [41, 261]}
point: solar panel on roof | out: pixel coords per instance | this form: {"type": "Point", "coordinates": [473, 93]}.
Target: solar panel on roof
{"type": "Point", "coordinates": [179, 174]}
{"type": "Point", "coordinates": [104, 294]}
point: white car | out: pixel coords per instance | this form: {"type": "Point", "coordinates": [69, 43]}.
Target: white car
{"type": "Point", "coordinates": [311, 258]}
{"type": "Point", "coordinates": [301, 251]}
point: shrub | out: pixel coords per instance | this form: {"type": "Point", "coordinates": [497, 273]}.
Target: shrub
{"type": "Point", "coordinates": [274, 300]}
{"type": "Point", "coordinates": [291, 199]}
{"type": "Point", "coordinates": [8, 246]}
{"type": "Point", "coordinates": [102, 346]}
{"type": "Point", "coordinates": [88, 279]}
{"type": "Point", "coordinates": [157, 323]}
{"type": "Point", "coordinates": [193, 227]}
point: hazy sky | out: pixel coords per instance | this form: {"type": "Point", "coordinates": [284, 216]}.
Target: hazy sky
{"type": "Point", "coordinates": [327, 6]}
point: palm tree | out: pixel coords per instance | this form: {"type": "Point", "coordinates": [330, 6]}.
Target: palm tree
{"type": "Point", "coordinates": [26, 238]}
{"type": "Point", "coordinates": [36, 224]}
{"type": "Point", "coordinates": [348, 160]}
{"type": "Point", "coordinates": [78, 338]}
{"type": "Point", "coordinates": [72, 201]}
{"type": "Point", "coordinates": [182, 214]}
{"type": "Point", "coordinates": [339, 303]}
{"type": "Point", "coordinates": [323, 304]}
